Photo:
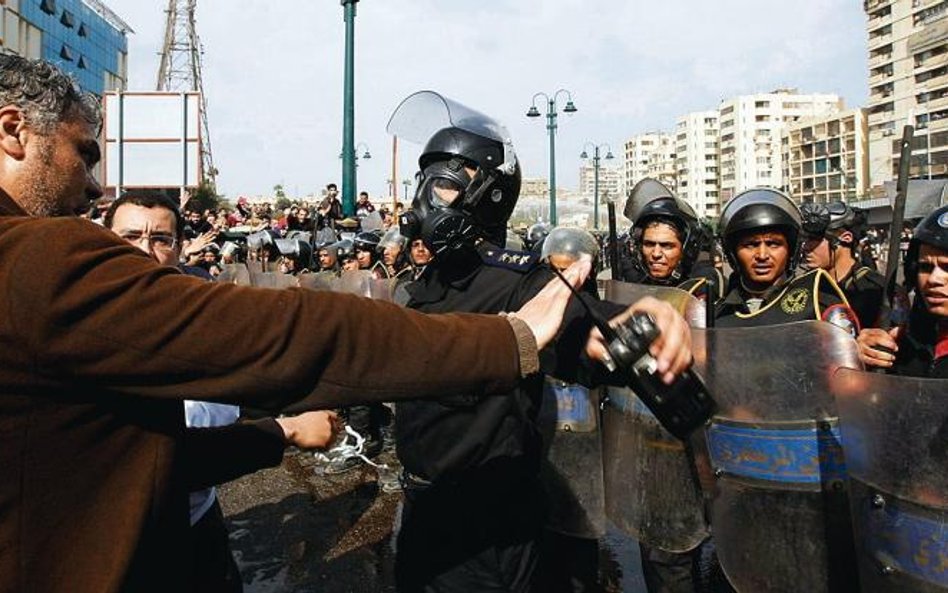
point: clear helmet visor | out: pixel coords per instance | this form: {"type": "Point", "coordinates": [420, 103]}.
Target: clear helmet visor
{"type": "Point", "coordinates": [421, 114]}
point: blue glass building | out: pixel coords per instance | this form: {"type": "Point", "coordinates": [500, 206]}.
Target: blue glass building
{"type": "Point", "coordinates": [83, 37]}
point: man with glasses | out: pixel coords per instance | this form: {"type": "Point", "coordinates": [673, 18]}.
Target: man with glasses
{"type": "Point", "coordinates": [154, 225]}
{"type": "Point", "coordinates": [831, 234]}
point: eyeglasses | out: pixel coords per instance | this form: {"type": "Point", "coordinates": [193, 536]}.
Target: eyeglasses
{"type": "Point", "coordinates": [158, 241]}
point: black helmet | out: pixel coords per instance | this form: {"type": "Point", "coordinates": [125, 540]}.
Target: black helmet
{"type": "Point", "coordinates": [824, 220]}
{"type": "Point", "coordinates": [300, 251]}
{"type": "Point", "coordinates": [757, 209]}
{"type": "Point", "coordinates": [366, 241]}
{"type": "Point", "coordinates": [932, 230]}
{"type": "Point", "coordinates": [536, 234]}
{"type": "Point", "coordinates": [467, 153]}
{"type": "Point", "coordinates": [651, 201]}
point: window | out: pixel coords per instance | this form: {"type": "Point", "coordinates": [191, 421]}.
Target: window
{"type": "Point", "coordinates": [82, 63]}
{"type": "Point", "coordinates": [83, 30]}
{"type": "Point", "coordinates": [48, 6]}
{"type": "Point", "coordinates": [65, 53]}
{"type": "Point", "coordinates": [67, 19]}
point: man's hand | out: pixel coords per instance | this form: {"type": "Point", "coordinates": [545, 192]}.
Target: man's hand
{"type": "Point", "coordinates": [671, 349]}
{"type": "Point", "coordinates": [310, 430]}
{"type": "Point", "coordinates": [544, 312]}
{"type": "Point", "coordinates": [871, 339]}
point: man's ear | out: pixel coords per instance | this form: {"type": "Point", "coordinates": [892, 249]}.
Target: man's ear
{"type": "Point", "coordinates": [13, 132]}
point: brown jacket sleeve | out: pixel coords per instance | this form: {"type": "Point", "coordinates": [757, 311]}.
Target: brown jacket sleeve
{"type": "Point", "coordinates": [87, 309]}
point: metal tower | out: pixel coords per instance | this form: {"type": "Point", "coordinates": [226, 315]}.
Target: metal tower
{"type": "Point", "coordinates": [180, 68]}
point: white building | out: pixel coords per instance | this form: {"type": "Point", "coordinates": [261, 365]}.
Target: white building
{"type": "Point", "coordinates": [638, 161]}
{"type": "Point", "coordinates": [908, 84]}
{"type": "Point", "coordinates": [610, 181]}
{"type": "Point", "coordinates": [696, 161]}
{"type": "Point", "coordinates": [751, 128]}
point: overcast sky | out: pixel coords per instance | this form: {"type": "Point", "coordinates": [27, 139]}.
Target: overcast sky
{"type": "Point", "coordinates": [273, 72]}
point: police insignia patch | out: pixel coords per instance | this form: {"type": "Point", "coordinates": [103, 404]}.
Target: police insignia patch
{"type": "Point", "coordinates": [795, 301]}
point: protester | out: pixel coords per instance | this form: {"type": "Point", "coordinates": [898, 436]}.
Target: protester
{"type": "Point", "coordinates": [101, 345]}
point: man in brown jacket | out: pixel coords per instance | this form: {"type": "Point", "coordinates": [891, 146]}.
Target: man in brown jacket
{"type": "Point", "coordinates": [99, 345]}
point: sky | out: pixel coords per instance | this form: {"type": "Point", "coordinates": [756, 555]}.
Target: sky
{"type": "Point", "coordinates": [273, 72]}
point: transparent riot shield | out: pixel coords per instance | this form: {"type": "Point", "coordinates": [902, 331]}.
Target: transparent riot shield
{"type": "Point", "coordinates": [364, 283]}
{"type": "Point", "coordinates": [779, 511]}
{"type": "Point", "coordinates": [895, 435]}
{"type": "Point", "coordinates": [651, 487]}
{"type": "Point", "coordinates": [572, 468]}
{"type": "Point", "coordinates": [317, 280]}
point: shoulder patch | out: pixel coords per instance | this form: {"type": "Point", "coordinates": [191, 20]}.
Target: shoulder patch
{"type": "Point", "coordinates": [794, 302]}
{"type": "Point", "coordinates": [519, 261]}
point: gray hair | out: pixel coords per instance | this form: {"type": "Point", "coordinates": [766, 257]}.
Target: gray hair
{"type": "Point", "coordinates": [46, 95]}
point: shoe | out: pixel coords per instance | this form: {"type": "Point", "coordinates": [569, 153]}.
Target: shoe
{"type": "Point", "coordinates": [342, 465]}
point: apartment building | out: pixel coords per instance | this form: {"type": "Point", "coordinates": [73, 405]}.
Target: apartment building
{"type": "Point", "coordinates": [696, 161]}
{"type": "Point", "coordinates": [908, 84]}
{"type": "Point", "coordinates": [826, 159]}
{"type": "Point", "coordinates": [611, 181]}
{"type": "Point", "coordinates": [639, 163]}
{"type": "Point", "coordinates": [750, 135]}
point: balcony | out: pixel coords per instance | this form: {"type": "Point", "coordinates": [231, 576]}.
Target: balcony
{"type": "Point", "coordinates": [930, 63]}
{"type": "Point", "coordinates": [877, 41]}
{"type": "Point", "coordinates": [871, 5]}
{"type": "Point", "coordinates": [933, 83]}
{"type": "Point", "coordinates": [881, 117]}
{"type": "Point", "coordinates": [880, 59]}
{"type": "Point", "coordinates": [879, 21]}
{"type": "Point", "coordinates": [879, 77]}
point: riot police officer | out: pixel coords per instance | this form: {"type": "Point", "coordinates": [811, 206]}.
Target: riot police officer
{"type": "Point", "coordinates": [831, 238]}
{"type": "Point", "coordinates": [665, 241]}
{"type": "Point", "coordinates": [473, 509]}
{"type": "Point", "coordinates": [921, 348]}
{"type": "Point", "coordinates": [761, 231]}
{"type": "Point", "coordinates": [536, 234]}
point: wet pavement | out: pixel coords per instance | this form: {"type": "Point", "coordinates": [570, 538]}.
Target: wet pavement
{"type": "Point", "coordinates": [295, 531]}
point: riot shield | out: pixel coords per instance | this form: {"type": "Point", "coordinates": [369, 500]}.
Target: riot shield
{"type": "Point", "coordinates": [779, 506]}
{"type": "Point", "coordinates": [572, 468]}
{"type": "Point", "coordinates": [895, 435]}
{"type": "Point", "coordinates": [364, 283]}
{"type": "Point", "coordinates": [317, 280]}
{"type": "Point", "coordinates": [651, 488]}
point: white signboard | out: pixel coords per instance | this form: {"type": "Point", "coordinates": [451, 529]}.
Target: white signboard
{"type": "Point", "coordinates": [152, 140]}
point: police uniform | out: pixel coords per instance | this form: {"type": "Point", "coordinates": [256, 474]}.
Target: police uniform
{"type": "Point", "coordinates": [812, 296]}
{"type": "Point", "coordinates": [864, 288]}
{"type": "Point", "coordinates": [473, 510]}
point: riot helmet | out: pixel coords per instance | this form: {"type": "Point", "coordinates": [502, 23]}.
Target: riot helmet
{"type": "Point", "coordinates": [300, 252]}
{"type": "Point", "coordinates": [760, 209]}
{"type": "Point", "coordinates": [469, 179]}
{"type": "Point", "coordinates": [932, 230]}
{"type": "Point", "coordinates": [535, 236]}
{"type": "Point", "coordinates": [650, 201]}
{"type": "Point", "coordinates": [827, 220]}
{"type": "Point", "coordinates": [565, 245]}
{"type": "Point", "coordinates": [366, 241]}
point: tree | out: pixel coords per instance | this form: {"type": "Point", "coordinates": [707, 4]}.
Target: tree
{"type": "Point", "coordinates": [203, 198]}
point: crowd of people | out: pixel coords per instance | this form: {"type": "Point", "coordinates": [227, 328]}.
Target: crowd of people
{"type": "Point", "coordinates": [110, 414]}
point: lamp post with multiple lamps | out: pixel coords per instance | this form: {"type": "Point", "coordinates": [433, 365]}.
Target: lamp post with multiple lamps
{"type": "Point", "coordinates": [596, 159]}
{"type": "Point", "coordinates": [551, 115]}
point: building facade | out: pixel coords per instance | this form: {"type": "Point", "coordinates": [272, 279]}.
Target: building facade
{"type": "Point", "coordinates": [611, 184]}
{"type": "Point", "coordinates": [908, 84]}
{"type": "Point", "coordinates": [696, 161]}
{"type": "Point", "coordinates": [82, 37]}
{"type": "Point", "coordinates": [750, 138]}
{"type": "Point", "coordinates": [640, 163]}
{"type": "Point", "coordinates": [827, 159]}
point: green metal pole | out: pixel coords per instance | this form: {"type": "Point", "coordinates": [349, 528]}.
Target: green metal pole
{"type": "Point", "coordinates": [551, 126]}
{"type": "Point", "coordinates": [348, 114]}
{"type": "Point", "coordinates": [596, 189]}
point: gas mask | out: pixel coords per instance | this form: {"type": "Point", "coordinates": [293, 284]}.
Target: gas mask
{"type": "Point", "coordinates": [443, 212]}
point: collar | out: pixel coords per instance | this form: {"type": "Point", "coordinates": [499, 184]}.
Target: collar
{"type": "Point", "coordinates": [8, 207]}
{"type": "Point", "coordinates": [456, 271]}
{"type": "Point", "coordinates": [737, 296]}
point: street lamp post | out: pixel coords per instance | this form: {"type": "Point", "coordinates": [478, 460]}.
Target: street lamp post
{"type": "Point", "coordinates": [609, 157]}
{"type": "Point", "coordinates": [551, 114]}
{"type": "Point", "coordinates": [407, 184]}
{"type": "Point", "coordinates": [348, 113]}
